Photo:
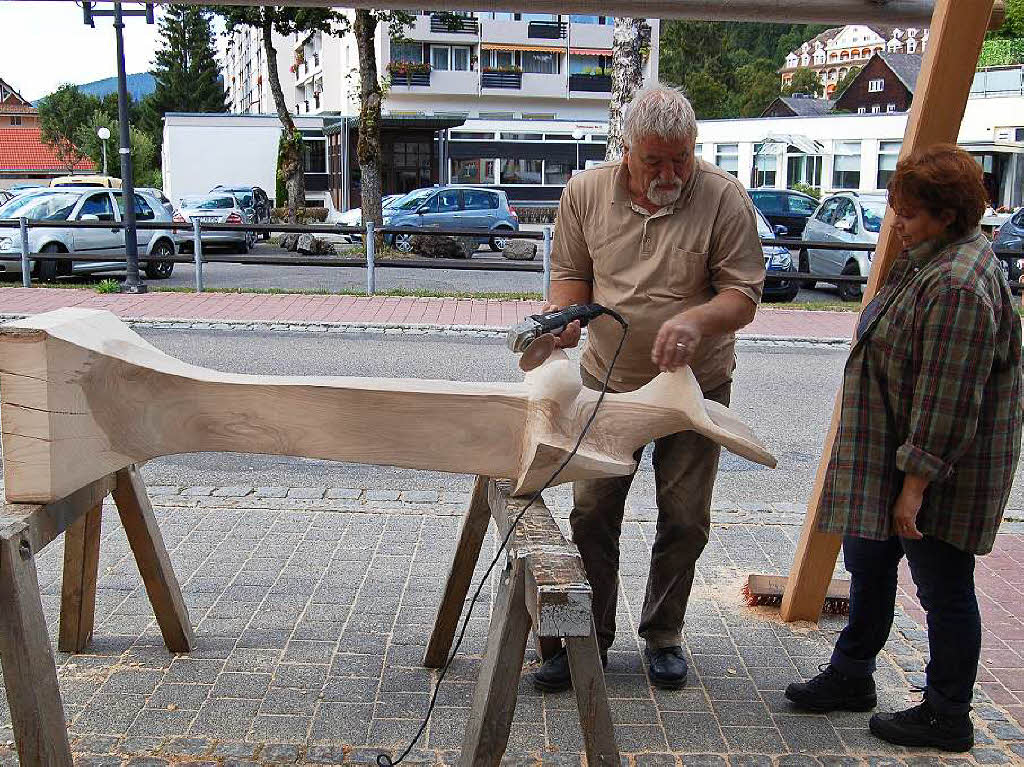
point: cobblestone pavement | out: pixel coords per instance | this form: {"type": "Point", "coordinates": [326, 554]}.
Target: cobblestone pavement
{"type": "Point", "coordinates": [312, 608]}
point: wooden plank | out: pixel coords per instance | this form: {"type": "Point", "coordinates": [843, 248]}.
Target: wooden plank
{"type": "Point", "coordinates": [78, 588]}
{"type": "Point", "coordinates": [940, 98]}
{"type": "Point", "coordinates": [46, 522]}
{"type": "Point", "coordinates": [63, 428]}
{"type": "Point", "coordinates": [30, 674]}
{"type": "Point", "coordinates": [497, 686]}
{"type": "Point", "coordinates": [460, 575]}
{"type": "Point", "coordinates": [592, 700]}
{"type": "Point", "coordinates": [154, 563]}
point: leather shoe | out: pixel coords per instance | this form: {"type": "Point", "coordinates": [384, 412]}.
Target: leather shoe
{"type": "Point", "coordinates": [833, 691]}
{"type": "Point", "coordinates": [554, 676]}
{"type": "Point", "coordinates": [922, 725]}
{"type": "Point", "coordinates": [666, 667]}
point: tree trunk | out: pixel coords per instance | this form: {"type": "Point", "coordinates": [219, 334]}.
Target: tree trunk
{"type": "Point", "coordinates": [630, 38]}
{"type": "Point", "coordinates": [292, 165]}
{"type": "Point", "coordinates": [370, 99]}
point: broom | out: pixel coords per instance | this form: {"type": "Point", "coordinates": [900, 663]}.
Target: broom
{"type": "Point", "coordinates": [767, 591]}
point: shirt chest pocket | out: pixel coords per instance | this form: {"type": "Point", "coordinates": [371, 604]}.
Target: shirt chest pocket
{"type": "Point", "coordinates": [687, 272]}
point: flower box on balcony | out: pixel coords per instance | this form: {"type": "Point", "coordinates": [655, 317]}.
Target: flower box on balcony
{"type": "Point", "coordinates": [409, 73]}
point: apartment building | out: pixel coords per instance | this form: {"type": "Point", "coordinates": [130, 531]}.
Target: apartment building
{"type": "Point", "coordinates": [246, 78]}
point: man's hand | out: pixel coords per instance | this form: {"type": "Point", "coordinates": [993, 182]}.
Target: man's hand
{"type": "Point", "coordinates": [569, 337]}
{"type": "Point", "coordinates": [677, 342]}
{"type": "Point", "coordinates": [907, 507]}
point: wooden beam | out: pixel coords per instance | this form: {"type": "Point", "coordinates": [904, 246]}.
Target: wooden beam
{"type": "Point", "coordinates": [836, 12]}
{"type": "Point", "coordinates": [592, 701]}
{"type": "Point", "coordinates": [147, 544]}
{"type": "Point", "coordinates": [78, 588]}
{"type": "Point", "coordinates": [82, 396]}
{"type": "Point", "coordinates": [46, 521]}
{"type": "Point", "coordinates": [957, 32]}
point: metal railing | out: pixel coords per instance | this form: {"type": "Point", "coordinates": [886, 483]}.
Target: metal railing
{"type": "Point", "coordinates": [370, 261]}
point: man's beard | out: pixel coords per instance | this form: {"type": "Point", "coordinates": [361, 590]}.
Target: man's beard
{"type": "Point", "coordinates": [664, 197]}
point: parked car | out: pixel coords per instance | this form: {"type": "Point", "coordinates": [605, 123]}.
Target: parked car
{"type": "Point", "coordinates": [1010, 236]}
{"type": "Point", "coordinates": [159, 195]}
{"type": "Point", "coordinates": [251, 197]}
{"type": "Point", "coordinates": [217, 208]}
{"type": "Point", "coordinates": [107, 182]}
{"type": "Point", "coordinates": [777, 262]}
{"type": "Point", "coordinates": [453, 207]}
{"type": "Point", "coordinates": [85, 204]}
{"type": "Point", "coordinates": [851, 217]}
{"type": "Point", "coordinates": [785, 207]}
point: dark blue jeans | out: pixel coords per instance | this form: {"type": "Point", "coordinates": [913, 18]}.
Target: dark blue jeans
{"type": "Point", "coordinates": [944, 576]}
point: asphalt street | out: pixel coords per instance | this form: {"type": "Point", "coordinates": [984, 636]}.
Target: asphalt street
{"type": "Point", "coordinates": [785, 394]}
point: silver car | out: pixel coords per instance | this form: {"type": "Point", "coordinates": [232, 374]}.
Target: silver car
{"type": "Point", "coordinates": [852, 217]}
{"type": "Point", "coordinates": [85, 204]}
{"type": "Point", "coordinates": [216, 208]}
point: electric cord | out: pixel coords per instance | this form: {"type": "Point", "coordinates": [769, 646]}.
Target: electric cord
{"type": "Point", "coordinates": [383, 760]}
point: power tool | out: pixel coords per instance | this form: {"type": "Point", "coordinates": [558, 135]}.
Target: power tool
{"type": "Point", "coordinates": [534, 337]}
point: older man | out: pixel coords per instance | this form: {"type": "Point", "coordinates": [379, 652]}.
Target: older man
{"type": "Point", "coordinates": [670, 242]}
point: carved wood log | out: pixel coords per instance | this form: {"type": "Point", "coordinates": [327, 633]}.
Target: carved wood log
{"type": "Point", "coordinates": [82, 396]}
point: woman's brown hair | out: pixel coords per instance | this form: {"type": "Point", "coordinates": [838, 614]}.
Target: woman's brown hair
{"type": "Point", "coordinates": [939, 178]}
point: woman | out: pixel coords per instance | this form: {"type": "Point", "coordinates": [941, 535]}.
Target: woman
{"type": "Point", "coordinates": [926, 450]}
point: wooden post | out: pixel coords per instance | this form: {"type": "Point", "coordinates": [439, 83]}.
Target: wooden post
{"type": "Point", "coordinates": [154, 564]}
{"type": "Point", "coordinates": [497, 686]}
{"type": "Point", "coordinates": [957, 32]}
{"type": "Point", "coordinates": [592, 700]}
{"type": "Point", "coordinates": [78, 589]}
{"type": "Point", "coordinates": [30, 674]}
{"type": "Point", "coordinates": [467, 552]}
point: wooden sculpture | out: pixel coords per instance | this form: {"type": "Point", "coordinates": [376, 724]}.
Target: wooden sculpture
{"type": "Point", "coordinates": [82, 396]}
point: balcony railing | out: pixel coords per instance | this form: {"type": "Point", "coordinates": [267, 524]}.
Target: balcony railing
{"type": "Point", "coordinates": [590, 83]}
{"type": "Point", "coordinates": [501, 79]}
{"type": "Point", "coordinates": [548, 30]}
{"type": "Point", "coordinates": [453, 24]}
{"type": "Point", "coordinates": [409, 79]}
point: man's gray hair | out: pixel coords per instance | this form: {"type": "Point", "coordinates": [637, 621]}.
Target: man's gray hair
{"type": "Point", "coordinates": [659, 111]}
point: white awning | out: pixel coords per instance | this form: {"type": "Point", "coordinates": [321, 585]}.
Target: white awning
{"type": "Point", "coordinates": [777, 143]}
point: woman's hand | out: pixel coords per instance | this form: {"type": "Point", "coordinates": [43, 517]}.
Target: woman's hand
{"type": "Point", "coordinates": [907, 507]}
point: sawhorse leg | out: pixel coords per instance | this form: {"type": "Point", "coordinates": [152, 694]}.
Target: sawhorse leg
{"type": "Point", "coordinates": [497, 686]}
{"type": "Point", "coordinates": [78, 588]}
{"type": "Point", "coordinates": [592, 701]}
{"type": "Point", "coordinates": [30, 674]}
{"type": "Point", "coordinates": [154, 564]}
{"type": "Point", "coordinates": [467, 552]}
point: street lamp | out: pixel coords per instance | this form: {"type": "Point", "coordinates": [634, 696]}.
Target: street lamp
{"type": "Point", "coordinates": [578, 134]}
{"type": "Point", "coordinates": [104, 134]}
{"type": "Point", "coordinates": [132, 282]}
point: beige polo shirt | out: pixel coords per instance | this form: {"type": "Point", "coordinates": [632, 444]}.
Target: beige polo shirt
{"type": "Point", "coordinates": [650, 267]}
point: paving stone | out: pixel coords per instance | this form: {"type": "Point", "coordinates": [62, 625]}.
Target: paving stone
{"type": "Point", "coordinates": [990, 756]}
{"type": "Point", "coordinates": [796, 760]}
{"type": "Point", "coordinates": [382, 495]}
{"type": "Point", "coordinates": [188, 746]}
{"type": "Point", "coordinates": [322, 754]}
{"type": "Point", "coordinates": [808, 734]}
{"type": "Point", "coordinates": [234, 491]}
{"type": "Point", "coordinates": [350, 493]}
{"type": "Point", "coordinates": [750, 760]}
{"type": "Point", "coordinates": [270, 492]}
{"type": "Point", "coordinates": [701, 760]}
{"type": "Point", "coordinates": [155, 722]}
{"type": "Point", "coordinates": [757, 739]}
{"type": "Point", "coordinates": [225, 718]}
{"type": "Point", "coordinates": [693, 732]}
{"type": "Point", "coordinates": [235, 684]}
{"type": "Point", "coordinates": [197, 491]}
{"type": "Point", "coordinates": [92, 743]}
{"type": "Point", "coordinates": [420, 496]}
{"type": "Point", "coordinates": [306, 492]}
{"type": "Point", "coordinates": [140, 745]}
{"type": "Point", "coordinates": [280, 753]}
{"type": "Point", "coordinates": [237, 750]}
{"type": "Point", "coordinates": [347, 722]}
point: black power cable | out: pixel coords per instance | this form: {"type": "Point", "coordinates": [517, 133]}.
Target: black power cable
{"type": "Point", "coordinates": [383, 760]}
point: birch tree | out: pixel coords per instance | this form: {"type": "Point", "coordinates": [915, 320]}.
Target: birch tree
{"type": "Point", "coordinates": [630, 42]}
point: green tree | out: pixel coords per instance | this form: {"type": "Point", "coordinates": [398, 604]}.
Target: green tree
{"type": "Point", "coordinates": [144, 151]}
{"type": "Point", "coordinates": [60, 115]}
{"type": "Point", "coordinates": [709, 97]}
{"type": "Point", "coordinates": [185, 69]}
{"type": "Point", "coordinates": [844, 81]}
{"type": "Point", "coordinates": [806, 81]}
{"type": "Point", "coordinates": [1013, 25]}
{"type": "Point", "coordinates": [757, 86]}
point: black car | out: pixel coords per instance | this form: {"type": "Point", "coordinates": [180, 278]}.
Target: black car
{"type": "Point", "coordinates": [785, 207]}
{"type": "Point", "coordinates": [250, 197]}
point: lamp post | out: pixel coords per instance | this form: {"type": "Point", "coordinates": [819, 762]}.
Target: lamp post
{"type": "Point", "coordinates": [578, 134]}
{"type": "Point", "coordinates": [104, 134]}
{"type": "Point", "coordinates": [133, 282]}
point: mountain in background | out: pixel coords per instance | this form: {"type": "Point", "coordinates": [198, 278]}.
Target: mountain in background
{"type": "Point", "coordinates": [140, 85]}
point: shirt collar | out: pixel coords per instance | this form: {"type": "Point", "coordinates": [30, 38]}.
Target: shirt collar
{"type": "Point", "coordinates": [919, 254]}
{"type": "Point", "coordinates": [620, 194]}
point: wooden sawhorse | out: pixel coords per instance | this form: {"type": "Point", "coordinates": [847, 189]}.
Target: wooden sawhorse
{"type": "Point", "coordinates": [30, 673]}
{"type": "Point", "coordinates": [543, 584]}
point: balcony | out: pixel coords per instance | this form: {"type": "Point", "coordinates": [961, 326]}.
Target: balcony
{"type": "Point", "coordinates": [454, 82]}
{"type": "Point", "coordinates": [590, 83]}
{"type": "Point", "coordinates": [458, 25]}
{"type": "Point", "coordinates": [496, 79]}
{"type": "Point", "coordinates": [544, 85]}
{"type": "Point", "coordinates": [411, 79]}
{"type": "Point", "coordinates": [547, 30]}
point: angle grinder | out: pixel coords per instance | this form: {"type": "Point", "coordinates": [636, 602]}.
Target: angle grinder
{"type": "Point", "coordinates": [534, 337]}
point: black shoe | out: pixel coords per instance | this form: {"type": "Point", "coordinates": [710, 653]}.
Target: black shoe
{"type": "Point", "coordinates": [666, 667]}
{"type": "Point", "coordinates": [923, 726]}
{"type": "Point", "coordinates": [833, 691]}
{"type": "Point", "coordinates": [554, 676]}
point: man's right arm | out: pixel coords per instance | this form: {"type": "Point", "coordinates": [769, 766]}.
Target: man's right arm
{"type": "Point", "coordinates": [571, 265]}
{"type": "Point", "coordinates": [561, 294]}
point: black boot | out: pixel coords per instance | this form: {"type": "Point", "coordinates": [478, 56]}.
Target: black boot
{"type": "Point", "coordinates": [924, 726]}
{"type": "Point", "coordinates": [833, 691]}
{"type": "Point", "coordinates": [554, 676]}
{"type": "Point", "coordinates": [666, 667]}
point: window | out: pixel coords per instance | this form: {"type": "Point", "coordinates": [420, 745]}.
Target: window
{"type": "Point", "coordinates": [460, 58]}
{"type": "Point", "coordinates": [315, 156]}
{"type": "Point", "coordinates": [16, 120]}
{"type": "Point", "coordinates": [876, 86]}
{"type": "Point", "coordinates": [845, 216]}
{"type": "Point", "coordinates": [876, 109]}
{"type": "Point", "coordinates": [827, 213]}
{"type": "Point", "coordinates": [540, 62]}
{"type": "Point", "coordinates": [98, 205]}
{"type": "Point", "coordinates": [479, 171]}
{"type": "Point", "coordinates": [471, 135]}
{"type": "Point", "coordinates": [142, 211]}
{"type": "Point", "coordinates": [764, 170]}
{"type": "Point", "coordinates": [862, 110]}
{"type": "Point", "coordinates": [538, 115]}
{"type": "Point", "coordinates": [767, 202]}
{"type": "Point", "coordinates": [890, 107]}
{"type": "Point", "coordinates": [439, 57]}
{"type": "Point", "coordinates": [522, 136]}
{"type": "Point", "coordinates": [846, 169]}
{"type": "Point", "coordinates": [558, 137]}
{"type": "Point", "coordinates": [497, 115]}
{"type": "Point", "coordinates": [409, 52]}
{"type": "Point", "coordinates": [557, 172]}
{"type": "Point", "coordinates": [581, 64]}
{"type": "Point", "coordinates": [888, 154]}
{"type": "Point", "coordinates": [727, 158]}
{"type": "Point", "coordinates": [446, 57]}
{"type": "Point", "coordinates": [499, 59]}
{"type": "Point", "coordinates": [443, 202]}
{"type": "Point", "coordinates": [522, 171]}
{"type": "Point", "coordinates": [474, 199]}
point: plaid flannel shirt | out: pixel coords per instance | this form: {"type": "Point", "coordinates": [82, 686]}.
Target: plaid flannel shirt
{"type": "Point", "coordinates": [932, 387]}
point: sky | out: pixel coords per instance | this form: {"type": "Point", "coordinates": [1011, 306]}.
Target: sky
{"type": "Point", "coordinates": [46, 43]}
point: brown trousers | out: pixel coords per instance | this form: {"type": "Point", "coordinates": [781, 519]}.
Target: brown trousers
{"type": "Point", "coordinates": [685, 465]}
